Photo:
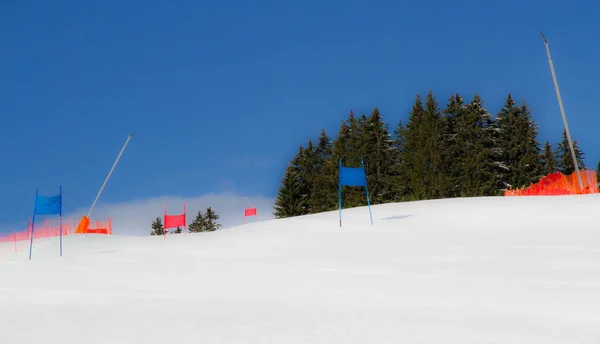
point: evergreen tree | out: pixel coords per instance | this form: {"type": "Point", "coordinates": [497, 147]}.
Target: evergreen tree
{"type": "Point", "coordinates": [413, 155]}
{"type": "Point", "coordinates": [307, 174]}
{"type": "Point", "coordinates": [520, 148]}
{"type": "Point", "coordinates": [423, 150]}
{"type": "Point", "coordinates": [290, 201]}
{"type": "Point", "coordinates": [564, 157]}
{"type": "Point", "coordinates": [199, 223]}
{"type": "Point", "coordinates": [532, 164]}
{"type": "Point", "coordinates": [324, 186]}
{"type": "Point", "coordinates": [549, 162]}
{"type": "Point", "coordinates": [398, 170]}
{"type": "Point", "coordinates": [157, 227]}
{"type": "Point", "coordinates": [434, 139]}
{"type": "Point", "coordinates": [453, 145]}
{"type": "Point", "coordinates": [479, 155]}
{"type": "Point", "coordinates": [377, 150]}
{"type": "Point", "coordinates": [348, 147]}
{"type": "Point", "coordinates": [598, 172]}
{"type": "Point", "coordinates": [210, 220]}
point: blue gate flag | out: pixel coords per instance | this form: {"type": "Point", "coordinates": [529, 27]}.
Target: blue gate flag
{"type": "Point", "coordinates": [48, 205]}
{"type": "Point", "coordinates": [353, 176]}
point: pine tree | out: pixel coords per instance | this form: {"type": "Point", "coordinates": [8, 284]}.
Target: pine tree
{"type": "Point", "coordinates": [414, 167]}
{"type": "Point", "coordinates": [598, 172]}
{"type": "Point", "coordinates": [199, 223]}
{"type": "Point", "coordinates": [290, 200]}
{"type": "Point", "coordinates": [398, 170]}
{"type": "Point", "coordinates": [377, 148]}
{"type": "Point", "coordinates": [423, 152]}
{"type": "Point", "coordinates": [307, 174]}
{"type": "Point", "coordinates": [157, 227]}
{"type": "Point", "coordinates": [564, 157]}
{"type": "Point", "coordinates": [434, 140]}
{"type": "Point", "coordinates": [520, 148]}
{"type": "Point", "coordinates": [549, 162]}
{"type": "Point", "coordinates": [348, 147]}
{"type": "Point", "coordinates": [453, 145]}
{"type": "Point", "coordinates": [532, 164]}
{"type": "Point", "coordinates": [479, 154]}
{"type": "Point", "coordinates": [210, 220]}
{"type": "Point", "coordinates": [324, 186]}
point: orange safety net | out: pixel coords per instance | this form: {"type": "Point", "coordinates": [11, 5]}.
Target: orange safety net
{"type": "Point", "coordinates": [559, 184]}
{"type": "Point", "coordinates": [50, 228]}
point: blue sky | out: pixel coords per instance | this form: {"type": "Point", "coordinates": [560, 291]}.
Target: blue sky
{"type": "Point", "coordinates": [223, 93]}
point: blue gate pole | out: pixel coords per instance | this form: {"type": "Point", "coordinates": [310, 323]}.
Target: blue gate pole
{"type": "Point", "coordinates": [340, 191]}
{"type": "Point", "coordinates": [367, 190]}
{"type": "Point", "coordinates": [60, 221]}
{"type": "Point", "coordinates": [33, 224]}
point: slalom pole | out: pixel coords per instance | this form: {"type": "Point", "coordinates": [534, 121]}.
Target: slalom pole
{"type": "Point", "coordinates": [60, 222]}
{"type": "Point", "coordinates": [33, 224]}
{"type": "Point", "coordinates": [109, 173]}
{"type": "Point", "coordinates": [562, 112]}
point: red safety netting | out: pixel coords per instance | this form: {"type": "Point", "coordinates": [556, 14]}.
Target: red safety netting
{"type": "Point", "coordinates": [559, 184]}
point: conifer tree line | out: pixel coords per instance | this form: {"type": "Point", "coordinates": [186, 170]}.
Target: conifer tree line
{"type": "Point", "coordinates": [460, 150]}
{"type": "Point", "coordinates": [206, 222]}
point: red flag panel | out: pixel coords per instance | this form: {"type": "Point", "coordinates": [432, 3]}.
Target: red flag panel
{"type": "Point", "coordinates": [250, 212]}
{"type": "Point", "coordinates": [174, 221]}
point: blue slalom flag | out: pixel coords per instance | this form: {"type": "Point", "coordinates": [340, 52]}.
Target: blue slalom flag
{"type": "Point", "coordinates": [51, 205]}
{"type": "Point", "coordinates": [353, 176]}
{"type": "Point", "coordinates": [46, 205]}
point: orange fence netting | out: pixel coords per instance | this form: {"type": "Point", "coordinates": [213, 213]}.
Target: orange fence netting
{"type": "Point", "coordinates": [50, 228]}
{"type": "Point", "coordinates": [559, 184]}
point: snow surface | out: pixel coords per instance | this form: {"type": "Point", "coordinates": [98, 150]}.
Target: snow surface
{"type": "Point", "coordinates": [478, 270]}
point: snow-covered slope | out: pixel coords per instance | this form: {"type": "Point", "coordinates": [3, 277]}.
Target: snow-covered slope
{"type": "Point", "coordinates": [480, 270]}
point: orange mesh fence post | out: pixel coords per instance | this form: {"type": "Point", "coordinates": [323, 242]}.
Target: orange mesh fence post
{"type": "Point", "coordinates": [83, 226]}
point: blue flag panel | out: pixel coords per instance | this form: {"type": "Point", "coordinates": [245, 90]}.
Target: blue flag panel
{"type": "Point", "coordinates": [48, 205]}
{"type": "Point", "coordinates": [353, 176]}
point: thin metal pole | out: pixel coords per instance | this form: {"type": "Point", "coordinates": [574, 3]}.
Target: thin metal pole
{"type": "Point", "coordinates": [562, 112]}
{"type": "Point", "coordinates": [109, 173]}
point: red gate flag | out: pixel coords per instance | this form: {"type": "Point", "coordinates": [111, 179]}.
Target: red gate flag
{"type": "Point", "coordinates": [174, 221]}
{"type": "Point", "coordinates": [249, 212]}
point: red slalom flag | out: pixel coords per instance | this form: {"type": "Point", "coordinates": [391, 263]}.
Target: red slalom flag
{"type": "Point", "coordinates": [174, 221]}
{"type": "Point", "coordinates": [249, 212]}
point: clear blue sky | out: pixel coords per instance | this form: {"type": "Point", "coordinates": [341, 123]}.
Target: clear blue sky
{"type": "Point", "coordinates": [223, 93]}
